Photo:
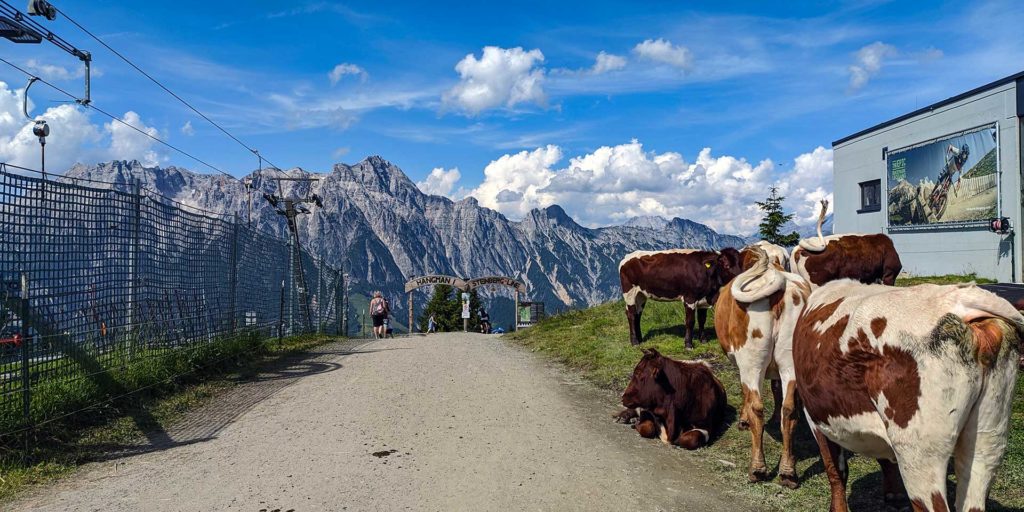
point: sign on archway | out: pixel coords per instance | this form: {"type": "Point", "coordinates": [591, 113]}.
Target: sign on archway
{"type": "Point", "coordinates": [419, 282]}
{"type": "Point", "coordinates": [473, 284]}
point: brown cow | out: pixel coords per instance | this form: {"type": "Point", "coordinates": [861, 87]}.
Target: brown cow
{"type": "Point", "coordinates": [915, 375]}
{"type": "Point", "coordinates": [682, 402]}
{"type": "Point", "coordinates": [754, 317]}
{"type": "Point", "coordinates": [690, 275]}
{"type": "Point", "coordinates": [865, 258]}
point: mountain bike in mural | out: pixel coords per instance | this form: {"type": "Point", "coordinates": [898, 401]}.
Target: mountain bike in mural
{"type": "Point", "coordinates": [955, 159]}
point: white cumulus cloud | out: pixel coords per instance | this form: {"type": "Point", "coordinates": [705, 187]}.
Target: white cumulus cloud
{"type": "Point", "coordinates": [500, 77]}
{"type": "Point", "coordinates": [615, 183]}
{"type": "Point", "coordinates": [606, 62]}
{"type": "Point", "coordinates": [664, 52]}
{"type": "Point", "coordinates": [73, 137]}
{"type": "Point", "coordinates": [440, 182]}
{"type": "Point", "coordinates": [187, 129]}
{"type": "Point", "coordinates": [343, 69]}
{"type": "Point", "coordinates": [868, 62]}
{"type": "Point", "coordinates": [129, 144]}
{"type": "Point", "coordinates": [809, 182]}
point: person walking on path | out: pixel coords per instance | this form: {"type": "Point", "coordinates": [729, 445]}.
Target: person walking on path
{"type": "Point", "coordinates": [431, 324]}
{"type": "Point", "coordinates": [378, 313]}
{"type": "Point", "coordinates": [485, 321]}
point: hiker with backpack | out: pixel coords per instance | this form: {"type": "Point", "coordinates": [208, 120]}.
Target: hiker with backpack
{"type": "Point", "coordinates": [379, 314]}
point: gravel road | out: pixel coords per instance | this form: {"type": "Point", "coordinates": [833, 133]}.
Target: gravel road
{"type": "Point", "coordinates": [443, 422]}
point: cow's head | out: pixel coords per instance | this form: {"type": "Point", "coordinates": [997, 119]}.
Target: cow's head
{"type": "Point", "coordinates": [722, 267]}
{"type": "Point", "coordinates": [648, 386]}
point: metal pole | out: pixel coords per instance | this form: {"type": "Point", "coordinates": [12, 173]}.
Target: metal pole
{"type": "Point", "coordinates": [344, 305]}
{"type": "Point", "coordinates": [26, 396]}
{"type": "Point", "coordinates": [339, 301]}
{"type": "Point", "coordinates": [233, 293]}
{"type": "Point", "coordinates": [133, 273]}
{"type": "Point", "coordinates": [516, 327]}
{"type": "Point", "coordinates": [280, 322]}
{"type": "Point", "coordinates": [410, 314]}
{"type": "Point", "coordinates": [320, 295]}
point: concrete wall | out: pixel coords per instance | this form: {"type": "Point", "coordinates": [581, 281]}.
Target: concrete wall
{"type": "Point", "coordinates": [930, 251]}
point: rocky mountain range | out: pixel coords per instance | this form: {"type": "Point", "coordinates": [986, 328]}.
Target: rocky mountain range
{"type": "Point", "coordinates": [381, 229]}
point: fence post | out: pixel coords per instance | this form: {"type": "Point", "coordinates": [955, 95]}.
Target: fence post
{"type": "Point", "coordinates": [26, 394]}
{"type": "Point", "coordinates": [233, 293]}
{"type": "Point", "coordinates": [339, 300]}
{"type": "Point", "coordinates": [319, 295]}
{"type": "Point", "coordinates": [133, 272]}
{"type": "Point", "coordinates": [344, 304]}
{"type": "Point", "coordinates": [280, 322]}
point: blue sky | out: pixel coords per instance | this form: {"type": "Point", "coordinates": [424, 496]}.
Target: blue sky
{"type": "Point", "coordinates": [759, 85]}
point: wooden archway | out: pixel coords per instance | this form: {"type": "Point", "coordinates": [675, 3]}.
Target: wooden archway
{"type": "Point", "coordinates": [463, 285]}
{"type": "Point", "coordinates": [435, 279]}
{"type": "Point", "coordinates": [508, 282]}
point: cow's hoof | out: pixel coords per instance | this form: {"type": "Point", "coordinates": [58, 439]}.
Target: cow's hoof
{"type": "Point", "coordinates": [758, 475]}
{"type": "Point", "coordinates": [626, 416]}
{"type": "Point", "coordinates": [789, 481]}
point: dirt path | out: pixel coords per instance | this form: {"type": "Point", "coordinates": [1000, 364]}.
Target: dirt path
{"type": "Point", "coordinates": [446, 422]}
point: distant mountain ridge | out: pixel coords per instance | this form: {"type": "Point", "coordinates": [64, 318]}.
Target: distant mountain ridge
{"type": "Point", "coordinates": [379, 227]}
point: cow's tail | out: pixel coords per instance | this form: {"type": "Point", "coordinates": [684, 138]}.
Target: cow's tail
{"type": "Point", "coordinates": [995, 325]}
{"type": "Point", "coordinates": [817, 245]}
{"type": "Point", "coordinates": [759, 281]}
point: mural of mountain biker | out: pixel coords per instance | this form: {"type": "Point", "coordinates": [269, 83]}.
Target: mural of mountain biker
{"type": "Point", "coordinates": [955, 160]}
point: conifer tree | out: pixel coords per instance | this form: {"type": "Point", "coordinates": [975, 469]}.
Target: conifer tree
{"type": "Point", "coordinates": [444, 307]}
{"type": "Point", "coordinates": [773, 220]}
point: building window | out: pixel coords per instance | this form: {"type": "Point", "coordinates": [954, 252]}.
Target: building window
{"type": "Point", "coordinates": [870, 196]}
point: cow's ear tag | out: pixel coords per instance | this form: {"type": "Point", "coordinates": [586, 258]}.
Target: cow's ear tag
{"type": "Point", "coordinates": [707, 264]}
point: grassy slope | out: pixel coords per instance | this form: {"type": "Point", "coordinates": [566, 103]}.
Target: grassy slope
{"type": "Point", "coordinates": [595, 342]}
{"type": "Point", "coordinates": [61, 447]}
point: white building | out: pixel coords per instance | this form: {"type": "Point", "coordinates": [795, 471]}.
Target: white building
{"type": "Point", "coordinates": [934, 178]}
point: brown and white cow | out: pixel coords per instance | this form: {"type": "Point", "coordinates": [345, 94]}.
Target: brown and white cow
{"type": "Point", "coordinates": [865, 258]}
{"type": "Point", "coordinates": [754, 317]}
{"type": "Point", "coordinates": [689, 275]}
{"type": "Point", "coordinates": [682, 402]}
{"type": "Point", "coordinates": [912, 376]}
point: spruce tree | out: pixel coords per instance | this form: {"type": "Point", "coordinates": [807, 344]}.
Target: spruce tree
{"type": "Point", "coordinates": [773, 220]}
{"type": "Point", "coordinates": [440, 305]}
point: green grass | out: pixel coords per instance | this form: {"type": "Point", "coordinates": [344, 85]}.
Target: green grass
{"type": "Point", "coordinates": [946, 279]}
{"type": "Point", "coordinates": [595, 342]}
{"type": "Point", "coordinates": [174, 384]}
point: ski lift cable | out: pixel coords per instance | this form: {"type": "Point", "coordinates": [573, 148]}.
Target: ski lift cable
{"type": "Point", "coordinates": [119, 120]}
{"type": "Point", "coordinates": [165, 88]}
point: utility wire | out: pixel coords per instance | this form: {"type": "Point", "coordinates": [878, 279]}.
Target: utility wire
{"type": "Point", "coordinates": [119, 120]}
{"type": "Point", "coordinates": [162, 86]}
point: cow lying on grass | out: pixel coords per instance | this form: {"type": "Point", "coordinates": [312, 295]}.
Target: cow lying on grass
{"type": "Point", "coordinates": [679, 401]}
{"type": "Point", "coordinates": [865, 258]}
{"type": "Point", "coordinates": [754, 317]}
{"type": "Point", "coordinates": [915, 375]}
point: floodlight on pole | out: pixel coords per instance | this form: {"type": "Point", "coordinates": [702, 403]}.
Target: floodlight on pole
{"type": "Point", "coordinates": [42, 130]}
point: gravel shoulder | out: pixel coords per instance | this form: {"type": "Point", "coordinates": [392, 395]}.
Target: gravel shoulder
{"type": "Point", "coordinates": [443, 422]}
